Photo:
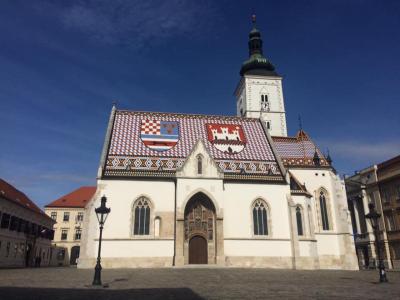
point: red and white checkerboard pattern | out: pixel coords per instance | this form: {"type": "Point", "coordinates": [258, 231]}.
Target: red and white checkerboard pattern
{"type": "Point", "coordinates": [150, 127]}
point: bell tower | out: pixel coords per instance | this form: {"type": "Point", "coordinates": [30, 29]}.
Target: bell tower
{"type": "Point", "coordinates": [259, 93]}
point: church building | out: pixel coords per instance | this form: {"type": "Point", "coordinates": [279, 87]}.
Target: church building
{"type": "Point", "coordinates": [220, 190]}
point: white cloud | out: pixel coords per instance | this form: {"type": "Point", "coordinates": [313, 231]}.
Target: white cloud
{"type": "Point", "coordinates": [362, 151]}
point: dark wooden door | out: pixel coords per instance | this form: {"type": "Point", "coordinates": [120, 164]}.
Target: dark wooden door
{"type": "Point", "coordinates": [74, 255]}
{"type": "Point", "coordinates": [198, 250]}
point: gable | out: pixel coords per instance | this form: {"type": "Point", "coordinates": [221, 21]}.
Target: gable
{"type": "Point", "coordinates": [157, 144]}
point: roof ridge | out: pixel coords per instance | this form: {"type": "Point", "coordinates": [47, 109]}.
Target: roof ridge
{"type": "Point", "coordinates": [187, 114]}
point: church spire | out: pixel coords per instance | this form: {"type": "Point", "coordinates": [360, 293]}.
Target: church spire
{"type": "Point", "coordinates": [257, 64]}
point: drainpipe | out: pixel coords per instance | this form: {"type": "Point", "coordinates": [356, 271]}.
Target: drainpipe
{"type": "Point", "coordinates": [173, 259]}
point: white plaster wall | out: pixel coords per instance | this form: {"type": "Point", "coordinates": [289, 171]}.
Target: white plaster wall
{"type": "Point", "coordinates": [257, 248]}
{"type": "Point", "coordinates": [328, 244]}
{"type": "Point", "coordinates": [306, 248]}
{"type": "Point", "coordinates": [238, 200]}
{"type": "Point", "coordinates": [121, 194]}
{"type": "Point", "coordinates": [315, 179]}
{"type": "Point", "coordinates": [137, 248]}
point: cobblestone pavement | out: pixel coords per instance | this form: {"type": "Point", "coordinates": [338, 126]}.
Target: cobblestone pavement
{"type": "Point", "coordinates": [196, 283]}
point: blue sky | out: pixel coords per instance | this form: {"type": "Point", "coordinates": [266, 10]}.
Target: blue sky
{"type": "Point", "coordinates": [64, 62]}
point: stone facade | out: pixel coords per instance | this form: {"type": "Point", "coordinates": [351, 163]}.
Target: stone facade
{"type": "Point", "coordinates": [68, 212]}
{"type": "Point", "coordinates": [379, 184]}
{"type": "Point", "coordinates": [25, 231]}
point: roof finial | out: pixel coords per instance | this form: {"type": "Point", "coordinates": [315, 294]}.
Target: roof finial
{"type": "Point", "coordinates": [300, 123]}
{"type": "Point", "coordinates": [253, 20]}
{"type": "Point", "coordinates": [114, 103]}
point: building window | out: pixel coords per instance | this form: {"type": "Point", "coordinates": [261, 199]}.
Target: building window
{"type": "Point", "coordinates": [79, 217]}
{"type": "Point", "coordinates": [66, 216]}
{"type": "Point", "coordinates": [78, 233]}
{"type": "Point", "coordinates": [268, 124]}
{"type": "Point", "coordinates": [324, 211]}
{"type": "Point", "coordinates": [53, 215]}
{"type": "Point", "coordinates": [199, 164]}
{"type": "Point", "coordinates": [5, 221]}
{"type": "Point", "coordinates": [299, 220]}
{"type": "Point", "coordinates": [390, 221]}
{"type": "Point", "coordinates": [385, 195]}
{"type": "Point", "coordinates": [264, 103]}
{"type": "Point", "coordinates": [398, 192]}
{"type": "Point", "coordinates": [141, 217]}
{"type": "Point", "coordinates": [64, 234]}
{"type": "Point", "coordinates": [8, 249]}
{"type": "Point", "coordinates": [260, 218]}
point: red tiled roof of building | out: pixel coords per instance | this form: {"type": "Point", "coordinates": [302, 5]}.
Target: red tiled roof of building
{"type": "Point", "coordinates": [298, 150]}
{"type": "Point", "coordinates": [78, 198]}
{"type": "Point", "coordinates": [11, 193]}
{"type": "Point", "coordinates": [157, 144]}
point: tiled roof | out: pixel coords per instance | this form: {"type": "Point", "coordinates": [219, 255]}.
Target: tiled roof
{"type": "Point", "coordinates": [129, 154]}
{"type": "Point", "coordinates": [298, 150]}
{"type": "Point", "coordinates": [11, 193]}
{"type": "Point", "coordinates": [78, 198]}
{"type": "Point", "coordinates": [296, 188]}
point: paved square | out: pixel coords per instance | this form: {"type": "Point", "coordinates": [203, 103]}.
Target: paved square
{"type": "Point", "coordinates": [196, 283]}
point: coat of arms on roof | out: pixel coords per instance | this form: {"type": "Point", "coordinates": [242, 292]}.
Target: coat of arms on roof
{"type": "Point", "coordinates": [228, 138]}
{"type": "Point", "coordinates": [159, 135]}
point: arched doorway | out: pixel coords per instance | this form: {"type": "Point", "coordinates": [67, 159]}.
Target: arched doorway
{"type": "Point", "coordinates": [74, 255]}
{"type": "Point", "coordinates": [198, 250]}
{"type": "Point", "coordinates": [200, 230]}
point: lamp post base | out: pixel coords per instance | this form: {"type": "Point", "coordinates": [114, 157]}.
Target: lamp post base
{"type": "Point", "coordinates": [97, 275]}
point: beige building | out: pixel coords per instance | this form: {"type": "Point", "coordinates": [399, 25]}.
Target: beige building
{"type": "Point", "coordinates": [68, 212]}
{"type": "Point", "coordinates": [379, 184]}
{"type": "Point", "coordinates": [25, 231]}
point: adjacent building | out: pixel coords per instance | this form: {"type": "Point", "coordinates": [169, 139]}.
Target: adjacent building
{"type": "Point", "coordinates": [68, 213]}
{"type": "Point", "coordinates": [379, 184]}
{"type": "Point", "coordinates": [223, 190]}
{"type": "Point", "coordinates": [25, 230]}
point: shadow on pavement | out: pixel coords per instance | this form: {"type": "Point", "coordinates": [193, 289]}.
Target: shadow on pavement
{"type": "Point", "coordinates": [11, 293]}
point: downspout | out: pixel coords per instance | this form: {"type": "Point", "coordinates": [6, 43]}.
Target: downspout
{"type": "Point", "coordinates": [173, 259]}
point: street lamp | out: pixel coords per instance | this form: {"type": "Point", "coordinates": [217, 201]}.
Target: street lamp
{"type": "Point", "coordinates": [373, 216]}
{"type": "Point", "coordinates": [101, 214]}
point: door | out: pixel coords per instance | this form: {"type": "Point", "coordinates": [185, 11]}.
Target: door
{"type": "Point", "coordinates": [74, 255]}
{"type": "Point", "coordinates": [198, 250]}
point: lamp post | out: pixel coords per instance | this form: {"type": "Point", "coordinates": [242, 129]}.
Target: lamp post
{"type": "Point", "coordinates": [101, 213]}
{"type": "Point", "coordinates": [373, 216]}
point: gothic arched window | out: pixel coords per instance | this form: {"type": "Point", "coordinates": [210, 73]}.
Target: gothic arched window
{"type": "Point", "coordinates": [299, 221]}
{"type": "Point", "coordinates": [260, 218]}
{"type": "Point", "coordinates": [324, 211]}
{"type": "Point", "coordinates": [141, 217]}
{"type": "Point", "coordinates": [199, 164]}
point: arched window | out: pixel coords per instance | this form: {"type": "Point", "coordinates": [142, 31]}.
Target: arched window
{"type": "Point", "coordinates": [199, 164]}
{"type": "Point", "coordinates": [141, 217]}
{"type": "Point", "coordinates": [260, 218]}
{"type": "Point", "coordinates": [324, 211]}
{"type": "Point", "coordinates": [299, 220]}
{"type": "Point", "coordinates": [264, 102]}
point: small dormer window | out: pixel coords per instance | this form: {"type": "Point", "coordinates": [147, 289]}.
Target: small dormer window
{"type": "Point", "coordinates": [264, 102]}
{"type": "Point", "coordinates": [199, 164]}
